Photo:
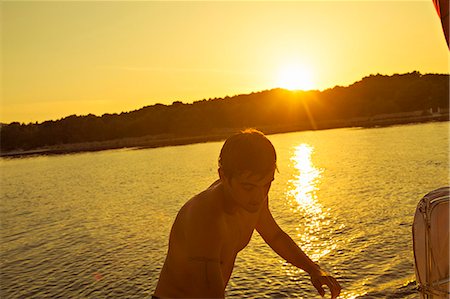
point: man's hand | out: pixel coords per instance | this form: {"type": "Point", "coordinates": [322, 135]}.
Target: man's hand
{"type": "Point", "coordinates": [322, 278]}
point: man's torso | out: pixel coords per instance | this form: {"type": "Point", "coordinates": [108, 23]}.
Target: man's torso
{"type": "Point", "coordinates": [235, 231]}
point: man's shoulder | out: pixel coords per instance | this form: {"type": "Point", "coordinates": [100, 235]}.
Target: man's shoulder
{"type": "Point", "coordinates": [198, 227]}
{"type": "Point", "coordinates": [205, 204]}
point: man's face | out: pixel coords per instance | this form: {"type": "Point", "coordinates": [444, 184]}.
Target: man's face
{"type": "Point", "coordinates": [249, 190]}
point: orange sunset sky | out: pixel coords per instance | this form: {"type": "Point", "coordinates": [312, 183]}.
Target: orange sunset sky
{"type": "Point", "coordinates": [61, 58]}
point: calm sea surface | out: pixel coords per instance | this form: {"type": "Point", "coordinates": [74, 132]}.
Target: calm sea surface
{"type": "Point", "coordinates": [96, 225]}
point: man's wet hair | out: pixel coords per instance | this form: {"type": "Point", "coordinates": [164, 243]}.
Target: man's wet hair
{"type": "Point", "coordinates": [249, 150]}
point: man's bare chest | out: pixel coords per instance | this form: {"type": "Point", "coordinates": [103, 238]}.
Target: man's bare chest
{"type": "Point", "coordinates": [238, 234]}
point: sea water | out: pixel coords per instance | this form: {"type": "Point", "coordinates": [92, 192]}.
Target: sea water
{"type": "Point", "coordinates": [96, 225]}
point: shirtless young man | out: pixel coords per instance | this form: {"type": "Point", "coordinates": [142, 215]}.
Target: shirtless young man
{"type": "Point", "coordinates": [212, 227]}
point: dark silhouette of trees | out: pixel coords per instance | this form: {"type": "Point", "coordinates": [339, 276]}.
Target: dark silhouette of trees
{"type": "Point", "coordinates": [373, 95]}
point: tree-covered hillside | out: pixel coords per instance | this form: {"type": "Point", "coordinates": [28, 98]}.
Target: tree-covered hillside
{"type": "Point", "coordinates": [373, 95]}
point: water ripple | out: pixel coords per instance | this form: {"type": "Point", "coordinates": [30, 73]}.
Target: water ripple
{"type": "Point", "coordinates": [96, 225]}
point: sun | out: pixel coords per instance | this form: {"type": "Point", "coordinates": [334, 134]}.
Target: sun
{"type": "Point", "coordinates": [295, 78]}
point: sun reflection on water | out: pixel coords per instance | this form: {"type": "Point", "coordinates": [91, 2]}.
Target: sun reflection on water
{"type": "Point", "coordinates": [303, 200]}
{"type": "Point", "coordinates": [316, 227]}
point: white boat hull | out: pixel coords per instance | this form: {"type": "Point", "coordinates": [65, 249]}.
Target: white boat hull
{"type": "Point", "coordinates": [431, 244]}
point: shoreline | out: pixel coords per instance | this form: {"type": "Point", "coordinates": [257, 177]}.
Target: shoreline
{"type": "Point", "coordinates": [153, 141]}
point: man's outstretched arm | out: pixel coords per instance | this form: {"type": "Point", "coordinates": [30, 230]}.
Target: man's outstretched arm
{"type": "Point", "coordinates": [286, 248]}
